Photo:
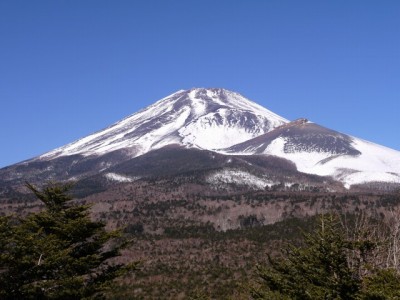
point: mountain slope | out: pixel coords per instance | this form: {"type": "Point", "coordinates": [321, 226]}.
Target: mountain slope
{"type": "Point", "coordinates": [321, 151]}
{"type": "Point", "coordinates": [196, 118]}
{"type": "Point", "coordinates": [172, 166]}
{"type": "Point", "coordinates": [199, 118]}
{"type": "Point", "coordinates": [215, 120]}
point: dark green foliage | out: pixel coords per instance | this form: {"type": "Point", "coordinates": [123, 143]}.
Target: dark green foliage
{"type": "Point", "coordinates": [324, 268]}
{"type": "Point", "coordinates": [58, 253]}
{"type": "Point", "coordinates": [384, 284]}
{"type": "Point", "coordinates": [317, 271]}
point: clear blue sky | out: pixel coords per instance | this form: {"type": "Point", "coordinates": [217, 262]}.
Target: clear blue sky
{"type": "Point", "coordinates": [69, 68]}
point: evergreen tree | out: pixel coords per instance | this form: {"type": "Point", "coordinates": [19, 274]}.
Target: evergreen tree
{"type": "Point", "coordinates": [324, 268]}
{"type": "Point", "coordinates": [317, 271]}
{"type": "Point", "coordinates": [58, 253]}
{"type": "Point", "coordinates": [332, 265]}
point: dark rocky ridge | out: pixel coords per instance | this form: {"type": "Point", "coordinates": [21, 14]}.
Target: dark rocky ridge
{"type": "Point", "coordinates": [301, 136]}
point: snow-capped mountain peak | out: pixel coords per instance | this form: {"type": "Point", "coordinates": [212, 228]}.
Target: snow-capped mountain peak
{"type": "Point", "coordinates": [224, 122]}
{"type": "Point", "coordinates": [199, 117]}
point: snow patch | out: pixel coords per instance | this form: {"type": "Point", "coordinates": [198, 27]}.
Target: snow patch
{"type": "Point", "coordinates": [239, 177]}
{"type": "Point", "coordinates": [375, 163]}
{"type": "Point", "coordinates": [367, 176]}
{"type": "Point", "coordinates": [120, 178]}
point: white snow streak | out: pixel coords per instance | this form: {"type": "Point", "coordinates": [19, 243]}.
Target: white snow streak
{"type": "Point", "coordinates": [120, 178]}
{"type": "Point", "coordinates": [240, 178]}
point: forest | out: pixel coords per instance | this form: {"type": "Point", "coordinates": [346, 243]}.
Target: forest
{"type": "Point", "coordinates": [61, 251]}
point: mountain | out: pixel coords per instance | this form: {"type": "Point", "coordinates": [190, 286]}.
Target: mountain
{"type": "Point", "coordinates": [199, 118]}
{"type": "Point", "coordinates": [196, 118]}
{"type": "Point", "coordinates": [317, 150]}
{"type": "Point", "coordinates": [152, 142]}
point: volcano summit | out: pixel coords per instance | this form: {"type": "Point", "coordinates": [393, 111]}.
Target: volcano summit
{"type": "Point", "coordinates": [221, 122]}
{"type": "Point", "coordinates": [199, 118]}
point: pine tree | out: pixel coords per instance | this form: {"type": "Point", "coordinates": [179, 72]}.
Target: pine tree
{"type": "Point", "coordinates": [58, 253]}
{"type": "Point", "coordinates": [329, 266]}
{"type": "Point", "coordinates": [317, 271]}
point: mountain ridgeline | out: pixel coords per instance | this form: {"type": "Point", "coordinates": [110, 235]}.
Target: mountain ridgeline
{"type": "Point", "coordinates": [217, 134]}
